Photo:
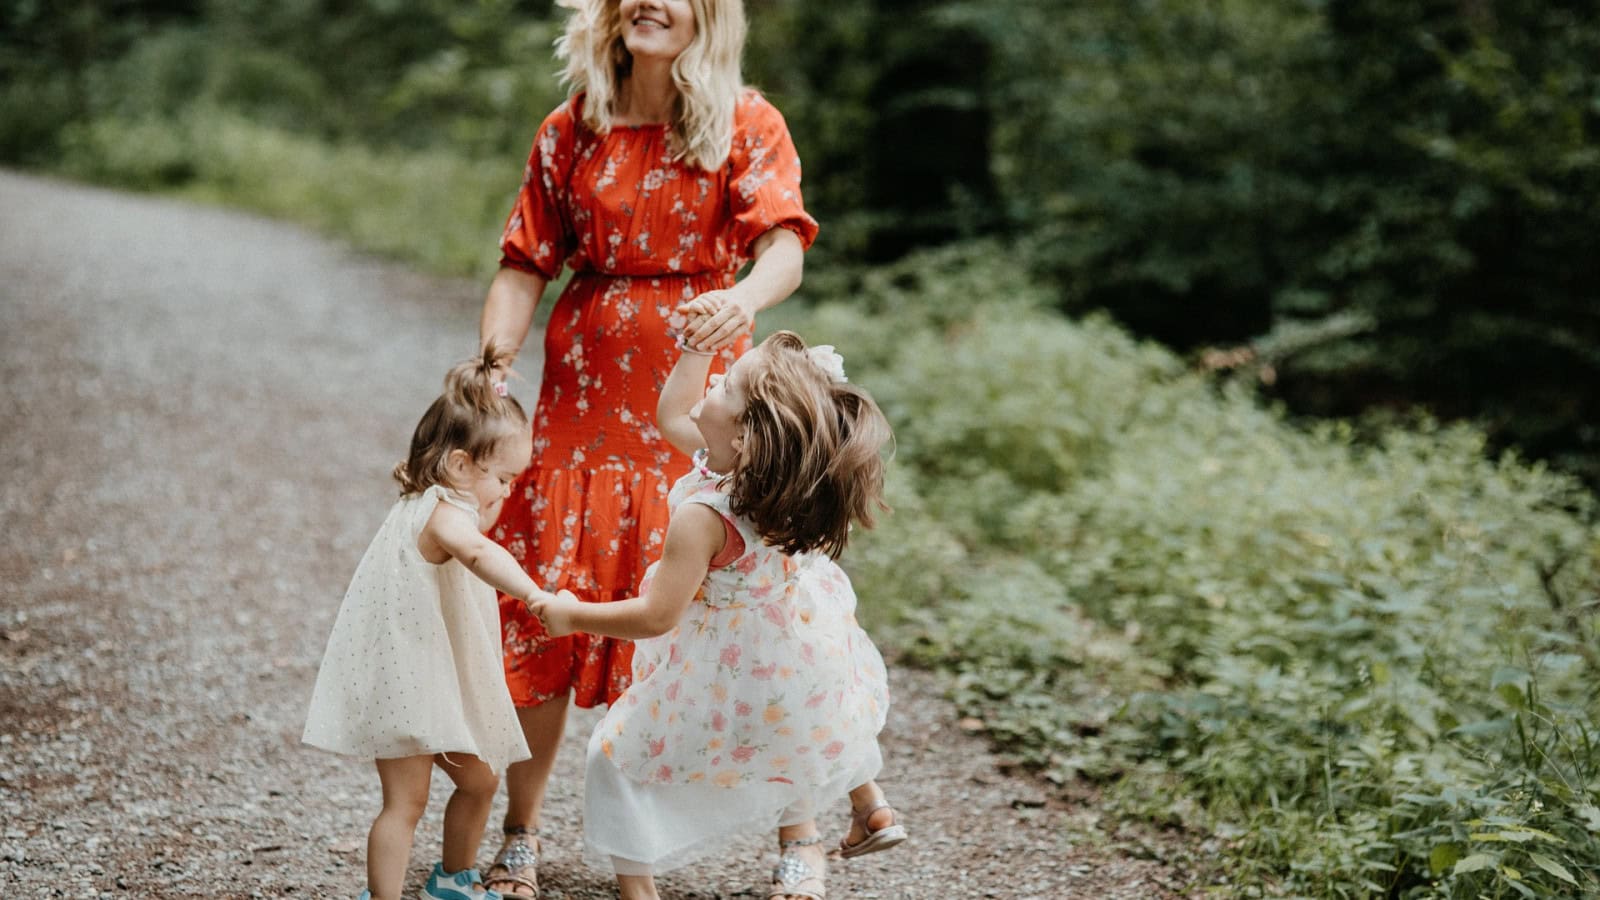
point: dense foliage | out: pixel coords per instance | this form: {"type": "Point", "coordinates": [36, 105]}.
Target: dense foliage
{"type": "Point", "coordinates": [1371, 665]}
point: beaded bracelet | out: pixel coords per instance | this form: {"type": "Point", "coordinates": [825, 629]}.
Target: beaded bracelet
{"type": "Point", "coordinates": [684, 346]}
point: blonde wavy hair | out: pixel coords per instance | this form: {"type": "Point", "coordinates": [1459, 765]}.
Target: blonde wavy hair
{"type": "Point", "coordinates": [706, 73]}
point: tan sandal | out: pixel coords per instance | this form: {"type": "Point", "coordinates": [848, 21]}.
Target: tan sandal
{"type": "Point", "coordinates": [793, 876]}
{"type": "Point", "coordinates": [888, 836]}
{"type": "Point", "coordinates": [517, 864]}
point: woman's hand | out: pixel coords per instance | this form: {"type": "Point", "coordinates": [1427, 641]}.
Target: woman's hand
{"type": "Point", "coordinates": [716, 319]}
{"type": "Point", "coordinates": [555, 611]}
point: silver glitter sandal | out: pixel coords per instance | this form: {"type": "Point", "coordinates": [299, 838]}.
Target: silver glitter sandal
{"type": "Point", "coordinates": [516, 864]}
{"type": "Point", "coordinates": [793, 876]}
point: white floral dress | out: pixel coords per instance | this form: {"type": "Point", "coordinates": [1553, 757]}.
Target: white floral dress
{"type": "Point", "coordinates": [762, 706]}
{"type": "Point", "coordinates": [413, 663]}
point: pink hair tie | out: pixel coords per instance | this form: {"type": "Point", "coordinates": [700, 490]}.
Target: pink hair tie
{"type": "Point", "coordinates": [500, 389]}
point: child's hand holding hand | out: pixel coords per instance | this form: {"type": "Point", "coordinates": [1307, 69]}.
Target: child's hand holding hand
{"type": "Point", "coordinates": [555, 611]}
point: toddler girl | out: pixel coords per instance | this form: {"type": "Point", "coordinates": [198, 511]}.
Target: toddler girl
{"type": "Point", "coordinates": [412, 674]}
{"type": "Point", "coordinates": [756, 698]}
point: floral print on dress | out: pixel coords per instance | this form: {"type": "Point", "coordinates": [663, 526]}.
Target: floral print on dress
{"type": "Point", "coordinates": [641, 234]}
{"type": "Point", "coordinates": [767, 678]}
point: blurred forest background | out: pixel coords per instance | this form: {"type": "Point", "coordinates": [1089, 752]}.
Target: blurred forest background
{"type": "Point", "coordinates": [1243, 356]}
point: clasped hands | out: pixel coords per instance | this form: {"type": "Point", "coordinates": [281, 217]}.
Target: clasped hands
{"type": "Point", "coordinates": [554, 611]}
{"type": "Point", "coordinates": [716, 319]}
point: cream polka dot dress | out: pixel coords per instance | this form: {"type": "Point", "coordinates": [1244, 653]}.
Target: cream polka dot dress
{"type": "Point", "coordinates": [413, 663]}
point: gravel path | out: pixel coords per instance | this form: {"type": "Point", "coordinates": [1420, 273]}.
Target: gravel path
{"type": "Point", "coordinates": [200, 412]}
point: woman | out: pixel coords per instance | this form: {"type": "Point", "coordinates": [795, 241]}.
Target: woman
{"type": "Point", "coordinates": [656, 182]}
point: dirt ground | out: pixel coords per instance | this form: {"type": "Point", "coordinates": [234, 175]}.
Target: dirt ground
{"type": "Point", "coordinates": [200, 412]}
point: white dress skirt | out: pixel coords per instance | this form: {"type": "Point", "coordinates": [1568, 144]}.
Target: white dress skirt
{"type": "Point", "coordinates": [413, 665]}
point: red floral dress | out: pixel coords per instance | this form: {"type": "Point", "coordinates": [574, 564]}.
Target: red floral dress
{"type": "Point", "coordinates": [642, 234]}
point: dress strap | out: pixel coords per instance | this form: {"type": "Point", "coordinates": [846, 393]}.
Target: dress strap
{"type": "Point", "coordinates": [732, 544]}
{"type": "Point", "coordinates": [454, 498]}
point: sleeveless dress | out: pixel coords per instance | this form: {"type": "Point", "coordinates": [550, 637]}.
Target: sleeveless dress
{"type": "Point", "coordinates": [642, 234]}
{"type": "Point", "coordinates": [413, 663]}
{"type": "Point", "coordinates": [760, 708]}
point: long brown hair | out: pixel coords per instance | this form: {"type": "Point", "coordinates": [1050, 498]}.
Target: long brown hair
{"type": "Point", "coordinates": [810, 459]}
{"type": "Point", "coordinates": [468, 416]}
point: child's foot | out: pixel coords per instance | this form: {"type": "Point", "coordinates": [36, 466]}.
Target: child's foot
{"type": "Point", "coordinates": [801, 865]}
{"type": "Point", "coordinates": [872, 828]}
{"type": "Point", "coordinates": [462, 885]}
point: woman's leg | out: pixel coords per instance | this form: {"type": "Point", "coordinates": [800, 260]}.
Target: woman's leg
{"type": "Point", "coordinates": [468, 809]}
{"type": "Point", "coordinates": [405, 796]}
{"type": "Point", "coordinates": [515, 871]}
{"type": "Point", "coordinates": [526, 781]}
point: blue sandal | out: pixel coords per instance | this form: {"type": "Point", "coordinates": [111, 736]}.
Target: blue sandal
{"type": "Point", "coordinates": [462, 885]}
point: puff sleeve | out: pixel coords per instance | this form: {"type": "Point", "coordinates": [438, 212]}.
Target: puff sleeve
{"type": "Point", "coordinates": [764, 177]}
{"type": "Point", "coordinates": [537, 237]}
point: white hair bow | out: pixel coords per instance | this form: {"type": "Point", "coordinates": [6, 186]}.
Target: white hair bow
{"type": "Point", "coordinates": [829, 361]}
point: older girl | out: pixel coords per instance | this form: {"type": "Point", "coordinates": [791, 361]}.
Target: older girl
{"type": "Point", "coordinates": [757, 698]}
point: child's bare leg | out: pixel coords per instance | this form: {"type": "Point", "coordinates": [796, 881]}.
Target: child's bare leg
{"type": "Point", "coordinates": [866, 797]}
{"type": "Point", "coordinates": [637, 887]}
{"type": "Point", "coordinates": [809, 851]}
{"type": "Point", "coordinates": [405, 796]}
{"type": "Point", "coordinates": [468, 809]}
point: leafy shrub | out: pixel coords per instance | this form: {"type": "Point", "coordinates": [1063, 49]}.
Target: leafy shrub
{"type": "Point", "coordinates": [1369, 661]}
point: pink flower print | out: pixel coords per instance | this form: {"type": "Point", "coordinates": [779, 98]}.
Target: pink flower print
{"type": "Point", "coordinates": [741, 708]}
{"type": "Point", "coordinates": [730, 655]}
{"type": "Point", "coordinates": [672, 690]}
{"type": "Point", "coordinates": [674, 655]}
{"type": "Point", "coordinates": [718, 721]}
{"type": "Point", "coordinates": [775, 614]}
{"type": "Point", "coordinates": [658, 747]}
{"type": "Point", "coordinates": [743, 753]}
{"type": "Point", "coordinates": [808, 653]}
{"type": "Point", "coordinates": [765, 673]}
{"type": "Point", "coordinates": [716, 761]}
{"type": "Point", "coordinates": [664, 773]}
{"type": "Point", "coordinates": [781, 780]}
{"type": "Point", "coordinates": [832, 751]}
{"type": "Point", "coordinates": [815, 700]}
{"type": "Point", "coordinates": [746, 564]}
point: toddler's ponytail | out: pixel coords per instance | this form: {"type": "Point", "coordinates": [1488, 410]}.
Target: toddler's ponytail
{"type": "Point", "coordinates": [473, 414]}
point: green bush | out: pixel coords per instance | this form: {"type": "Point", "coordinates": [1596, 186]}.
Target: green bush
{"type": "Point", "coordinates": [1368, 662]}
